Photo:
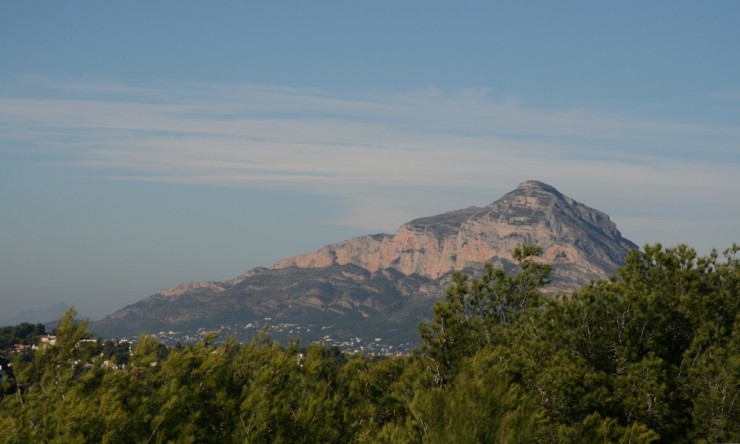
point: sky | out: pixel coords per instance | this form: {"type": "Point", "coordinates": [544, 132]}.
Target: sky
{"type": "Point", "coordinates": [147, 144]}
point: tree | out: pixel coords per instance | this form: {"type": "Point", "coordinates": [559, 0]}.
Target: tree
{"type": "Point", "coordinates": [481, 405]}
{"type": "Point", "coordinates": [652, 346]}
{"type": "Point", "coordinates": [652, 354]}
{"type": "Point", "coordinates": [473, 311]}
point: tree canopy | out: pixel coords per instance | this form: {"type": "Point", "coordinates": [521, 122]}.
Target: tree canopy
{"type": "Point", "coordinates": [650, 355]}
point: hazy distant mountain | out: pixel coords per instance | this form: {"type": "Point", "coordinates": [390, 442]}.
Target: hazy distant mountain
{"type": "Point", "coordinates": [383, 285]}
{"type": "Point", "coordinates": [37, 315]}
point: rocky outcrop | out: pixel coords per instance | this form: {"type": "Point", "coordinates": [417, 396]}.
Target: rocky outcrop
{"type": "Point", "coordinates": [374, 284]}
{"type": "Point", "coordinates": [581, 242]}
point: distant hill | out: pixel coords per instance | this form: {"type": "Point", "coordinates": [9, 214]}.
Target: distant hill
{"type": "Point", "coordinates": [382, 285]}
{"type": "Point", "coordinates": [38, 315]}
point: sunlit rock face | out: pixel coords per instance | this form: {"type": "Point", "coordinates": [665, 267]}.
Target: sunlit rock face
{"type": "Point", "coordinates": [382, 285]}
{"type": "Point", "coordinates": [581, 243]}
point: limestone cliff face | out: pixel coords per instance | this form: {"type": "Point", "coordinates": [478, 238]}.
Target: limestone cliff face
{"type": "Point", "coordinates": [577, 239]}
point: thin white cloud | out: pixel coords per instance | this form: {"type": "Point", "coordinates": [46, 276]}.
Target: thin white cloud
{"type": "Point", "coordinates": [730, 95]}
{"type": "Point", "coordinates": [390, 157]}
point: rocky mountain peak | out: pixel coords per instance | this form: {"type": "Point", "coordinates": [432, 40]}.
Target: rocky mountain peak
{"type": "Point", "coordinates": [532, 194]}
{"type": "Point", "coordinates": [537, 185]}
{"type": "Point", "coordinates": [569, 232]}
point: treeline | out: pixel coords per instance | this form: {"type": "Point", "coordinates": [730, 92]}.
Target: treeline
{"type": "Point", "coordinates": [24, 333]}
{"type": "Point", "coordinates": [651, 355]}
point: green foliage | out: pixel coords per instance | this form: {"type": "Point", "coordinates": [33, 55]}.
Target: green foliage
{"type": "Point", "coordinates": [655, 345]}
{"type": "Point", "coordinates": [477, 312]}
{"type": "Point", "coordinates": [652, 355]}
{"type": "Point", "coordinates": [24, 333]}
{"type": "Point", "coordinates": [375, 395]}
{"type": "Point", "coordinates": [481, 405]}
{"type": "Point", "coordinates": [117, 353]}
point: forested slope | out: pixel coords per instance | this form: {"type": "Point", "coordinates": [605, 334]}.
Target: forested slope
{"type": "Point", "coordinates": [652, 355]}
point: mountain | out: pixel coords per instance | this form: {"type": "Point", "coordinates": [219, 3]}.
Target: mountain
{"type": "Point", "coordinates": [37, 315]}
{"type": "Point", "coordinates": [382, 285]}
{"type": "Point", "coordinates": [581, 242]}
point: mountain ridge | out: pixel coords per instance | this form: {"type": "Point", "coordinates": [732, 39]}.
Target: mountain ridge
{"type": "Point", "coordinates": [378, 282]}
{"type": "Point", "coordinates": [37, 315]}
{"type": "Point", "coordinates": [435, 245]}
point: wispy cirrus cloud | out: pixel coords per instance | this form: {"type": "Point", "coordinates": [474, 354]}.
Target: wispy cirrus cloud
{"type": "Point", "coordinates": [730, 95]}
{"type": "Point", "coordinates": [389, 156]}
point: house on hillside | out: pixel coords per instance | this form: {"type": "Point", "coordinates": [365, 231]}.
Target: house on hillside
{"type": "Point", "coordinates": [20, 348]}
{"type": "Point", "coordinates": [48, 339]}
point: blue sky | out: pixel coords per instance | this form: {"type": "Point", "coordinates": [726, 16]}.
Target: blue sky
{"type": "Point", "coordinates": [145, 144]}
